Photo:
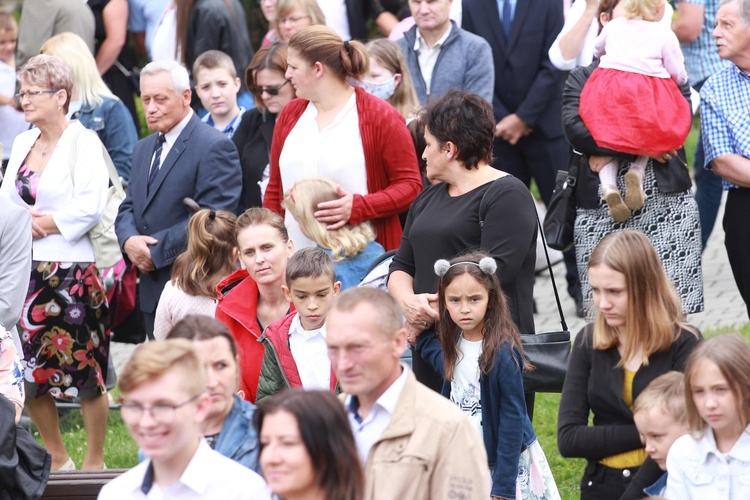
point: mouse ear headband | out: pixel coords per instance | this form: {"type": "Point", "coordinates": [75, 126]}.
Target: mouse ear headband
{"type": "Point", "coordinates": [486, 264]}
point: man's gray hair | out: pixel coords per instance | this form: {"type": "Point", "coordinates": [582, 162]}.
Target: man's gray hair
{"type": "Point", "coordinates": [387, 308]}
{"type": "Point", "coordinates": [744, 7]}
{"type": "Point", "coordinates": [180, 78]}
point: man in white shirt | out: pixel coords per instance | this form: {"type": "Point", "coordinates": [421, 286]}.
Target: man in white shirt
{"type": "Point", "coordinates": [418, 440]}
{"type": "Point", "coordinates": [441, 56]}
{"type": "Point", "coordinates": [164, 404]}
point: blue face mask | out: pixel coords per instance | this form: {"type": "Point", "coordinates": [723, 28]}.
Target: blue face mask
{"type": "Point", "coordinates": [383, 90]}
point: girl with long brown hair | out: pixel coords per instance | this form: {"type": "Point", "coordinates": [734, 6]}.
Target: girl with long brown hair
{"type": "Point", "coordinates": [210, 257]}
{"type": "Point", "coordinates": [638, 335]}
{"type": "Point", "coordinates": [478, 350]}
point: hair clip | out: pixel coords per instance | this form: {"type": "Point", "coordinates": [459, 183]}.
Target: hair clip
{"type": "Point", "coordinates": [212, 214]}
{"type": "Point", "coordinates": [347, 47]}
{"type": "Point", "coordinates": [487, 265]}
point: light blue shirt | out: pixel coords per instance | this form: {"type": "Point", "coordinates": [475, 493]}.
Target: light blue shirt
{"type": "Point", "coordinates": [145, 16]}
{"type": "Point", "coordinates": [230, 129]}
{"type": "Point", "coordinates": [512, 8]}
{"type": "Point", "coordinates": [701, 56]}
{"type": "Point", "coordinates": [725, 115]}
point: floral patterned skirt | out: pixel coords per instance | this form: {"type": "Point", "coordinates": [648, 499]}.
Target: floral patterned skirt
{"type": "Point", "coordinates": [534, 480]}
{"type": "Point", "coordinates": [65, 331]}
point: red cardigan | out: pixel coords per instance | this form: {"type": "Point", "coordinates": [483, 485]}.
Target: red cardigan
{"type": "Point", "coordinates": [393, 179]}
{"type": "Point", "coordinates": [238, 311]}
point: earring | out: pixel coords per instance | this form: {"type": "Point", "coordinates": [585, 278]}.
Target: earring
{"type": "Point", "coordinates": [59, 107]}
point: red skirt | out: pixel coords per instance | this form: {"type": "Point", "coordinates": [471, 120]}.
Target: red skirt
{"type": "Point", "coordinates": [634, 113]}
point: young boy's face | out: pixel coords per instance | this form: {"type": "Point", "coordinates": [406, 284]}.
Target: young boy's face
{"type": "Point", "coordinates": [8, 40]}
{"type": "Point", "coordinates": [217, 90]}
{"type": "Point", "coordinates": [658, 430]}
{"type": "Point", "coordinates": [312, 298]}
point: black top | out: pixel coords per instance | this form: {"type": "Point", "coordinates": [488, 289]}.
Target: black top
{"type": "Point", "coordinates": [440, 226]}
{"type": "Point", "coordinates": [593, 384]}
{"type": "Point", "coordinates": [253, 141]}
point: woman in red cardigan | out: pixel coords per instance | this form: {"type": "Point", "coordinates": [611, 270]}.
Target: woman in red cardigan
{"type": "Point", "coordinates": [341, 132]}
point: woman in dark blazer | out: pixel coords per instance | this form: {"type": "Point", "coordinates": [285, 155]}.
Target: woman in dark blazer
{"type": "Point", "coordinates": [638, 335]}
{"type": "Point", "coordinates": [272, 91]}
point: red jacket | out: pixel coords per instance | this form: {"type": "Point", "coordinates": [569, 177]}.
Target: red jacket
{"type": "Point", "coordinates": [393, 179]}
{"type": "Point", "coordinates": [238, 311]}
{"type": "Point", "coordinates": [277, 335]}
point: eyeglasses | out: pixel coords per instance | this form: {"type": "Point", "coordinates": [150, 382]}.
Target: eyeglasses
{"type": "Point", "coordinates": [291, 19]}
{"type": "Point", "coordinates": [273, 91]}
{"type": "Point", "coordinates": [160, 412]}
{"type": "Point", "coordinates": [32, 93]}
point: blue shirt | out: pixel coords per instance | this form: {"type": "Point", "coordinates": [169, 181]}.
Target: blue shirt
{"type": "Point", "coordinates": [725, 115]}
{"type": "Point", "coordinates": [701, 57]}
{"type": "Point", "coordinates": [145, 16]}
{"type": "Point", "coordinates": [230, 129]}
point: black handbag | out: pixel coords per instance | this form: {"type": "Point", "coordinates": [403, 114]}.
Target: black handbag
{"type": "Point", "coordinates": [547, 352]}
{"type": "Point", "coordinates": [561, 212]}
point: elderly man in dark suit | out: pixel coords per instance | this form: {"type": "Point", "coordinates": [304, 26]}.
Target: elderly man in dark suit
{"type": "Point", "coordinates": [184, 159]}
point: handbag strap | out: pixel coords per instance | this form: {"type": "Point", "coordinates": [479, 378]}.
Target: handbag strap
{"type": "Point", "coordinates": [114, 178]}
{"type": "Point", "coordinates": [483, 211]}
{"type": "Point", "coordinates": [563, 324]}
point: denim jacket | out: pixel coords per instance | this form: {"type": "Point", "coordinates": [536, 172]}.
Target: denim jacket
{"type": "Point", "coordinates": [238, 439]}
{"type": "Point", "coordinates": [113, 124]}
{"type": "Point", "coordinates": [658, 488]}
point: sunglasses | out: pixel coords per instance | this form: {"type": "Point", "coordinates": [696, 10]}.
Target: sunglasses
{"type": "Point", "coordinates": [273, 91]}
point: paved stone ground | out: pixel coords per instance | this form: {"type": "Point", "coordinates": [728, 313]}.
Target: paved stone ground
{"type": "Point", "coordinates": [723, 304]}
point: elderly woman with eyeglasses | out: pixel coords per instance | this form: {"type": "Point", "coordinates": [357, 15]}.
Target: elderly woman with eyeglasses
{"type": "Point", "coordinates": [272, 91]}
{"type": "Point", "coordinates": [292, 16]}
{"type": "Point", "coordinates": [57, 172]}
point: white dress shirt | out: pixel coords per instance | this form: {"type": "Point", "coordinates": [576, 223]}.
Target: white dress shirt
{"type": "Point", "coordinates": [368, 431]}
{"type": "Point", "coordinates": [170, 138]}
{"type": "Point", "coordinates": [427, 56]}
{"type": "Point", "coordinates": [698, 470]}
{"type": "Point", "coordinates": [208, 475]}
{"type": "Point", "coordinates": [310, 354]}
{"type": "Point", "coordinates": [335, 152]}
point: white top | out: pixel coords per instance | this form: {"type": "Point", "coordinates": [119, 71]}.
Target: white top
{"type": "Point", "coordinates": [76, 209]}
{"type": "Point", "coordinates": [335, 152]}
{"type": "Point", "coordinates": [208, 475]}
{"type": "Point", "coordinates": [697, 469]}
{"type": "Point", "coordinates": [465, 390]}
{"type": "Point", "coordinates": [586, 55]}
{"type": "Point", "coordinates": [428, 56]}
{"type": "Point", "coordinates": [13, 121]}
{"type": "Point", "coordinates": [310, 354]}
{"type": "Point", "coordinates": [369, 430]}
{"type": "Point", "coordinates": [175, 304]}
{"type": "Point", "coordinates": [643, 47]}
{"type": "Point", "coordinates": [170, 138]}
{"type": "Point", "coordinates": [336, 17]}
{"type": "Point", "coordinates": [164, 44]}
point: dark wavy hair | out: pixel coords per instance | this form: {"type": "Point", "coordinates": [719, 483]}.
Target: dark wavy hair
{"type": "Point", "coordinates": [466, 120]}
{"type": "Point", "coordinates": [498, 327]}
{"type": "Point", "coordinates": [327, 436]}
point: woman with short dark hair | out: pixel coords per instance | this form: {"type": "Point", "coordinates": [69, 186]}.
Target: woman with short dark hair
{"type": "Point", "coordinates": [469, 206]}
{"type": "Point", "coordinates": [306, 434]}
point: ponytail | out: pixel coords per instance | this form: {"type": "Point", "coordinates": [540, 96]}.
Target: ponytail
{"type": "Point", "coordinates": [347, 60]}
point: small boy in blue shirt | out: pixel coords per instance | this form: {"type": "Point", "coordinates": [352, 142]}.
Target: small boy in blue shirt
{"type": "Point", "coordinates": [660, 416]}
{"type": "Point", "coordinates": [217, 84]}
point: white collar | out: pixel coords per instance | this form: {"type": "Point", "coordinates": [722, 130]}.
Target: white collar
{"type": "Point", "coordinates": [296, 327]}
{"type": "Point", "coordinates": [171, 136]}
{"type": "Point", "coordinates": [419, 41]}
{"type": "Point", "coordinates": [387, 401]}
{"type": "Point", "coordinates": [740, 450]}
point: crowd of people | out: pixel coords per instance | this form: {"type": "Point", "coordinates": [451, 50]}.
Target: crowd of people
{"type": "Point", "coordinates": [335, 240]}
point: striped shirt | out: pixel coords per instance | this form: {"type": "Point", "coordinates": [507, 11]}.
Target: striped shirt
{"type": "Point", "coordinates": [701, 57]}
{"type": "Point", "coordinates": [725, 115]}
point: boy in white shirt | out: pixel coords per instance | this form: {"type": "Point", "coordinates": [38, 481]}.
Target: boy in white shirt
{"type": "Point", "coordinates": [217, 84]}
{"type": "Point", "coordinates": [295, 346]}
{"type": "Point", "coordinates": [163, 406]}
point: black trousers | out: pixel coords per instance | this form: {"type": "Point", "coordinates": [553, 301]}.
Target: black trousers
{"type": "Point", "coordinates": [605, 483]}
{"type": "Point", "coordinates": [737, 239]}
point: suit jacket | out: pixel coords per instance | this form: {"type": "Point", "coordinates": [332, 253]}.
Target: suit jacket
{"type": "Point", "coordinates": [202, 165]}
{"type": "Point", "coordinates": [526, 82]}
{"type": "Point", "coordinates": [15, 263]}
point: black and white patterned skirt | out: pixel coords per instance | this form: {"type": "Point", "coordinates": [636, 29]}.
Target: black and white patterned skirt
{"type": "Point", "coordinates": [670, 220]}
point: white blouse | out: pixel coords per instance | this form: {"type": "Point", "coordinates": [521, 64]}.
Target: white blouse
{"type": "Point", "coordinates": [175, 304]}
{"type": "Point", "coordinates": [335, 152]}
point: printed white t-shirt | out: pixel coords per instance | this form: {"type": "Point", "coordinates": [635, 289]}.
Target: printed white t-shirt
{"type": "Point", "coordinates": [465, 391]}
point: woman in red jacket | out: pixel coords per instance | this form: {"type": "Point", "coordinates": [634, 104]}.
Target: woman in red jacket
{"type": "Point", "coordinates": [341, 132]}
{"type": "Point", "coordinates": [251, 298]}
